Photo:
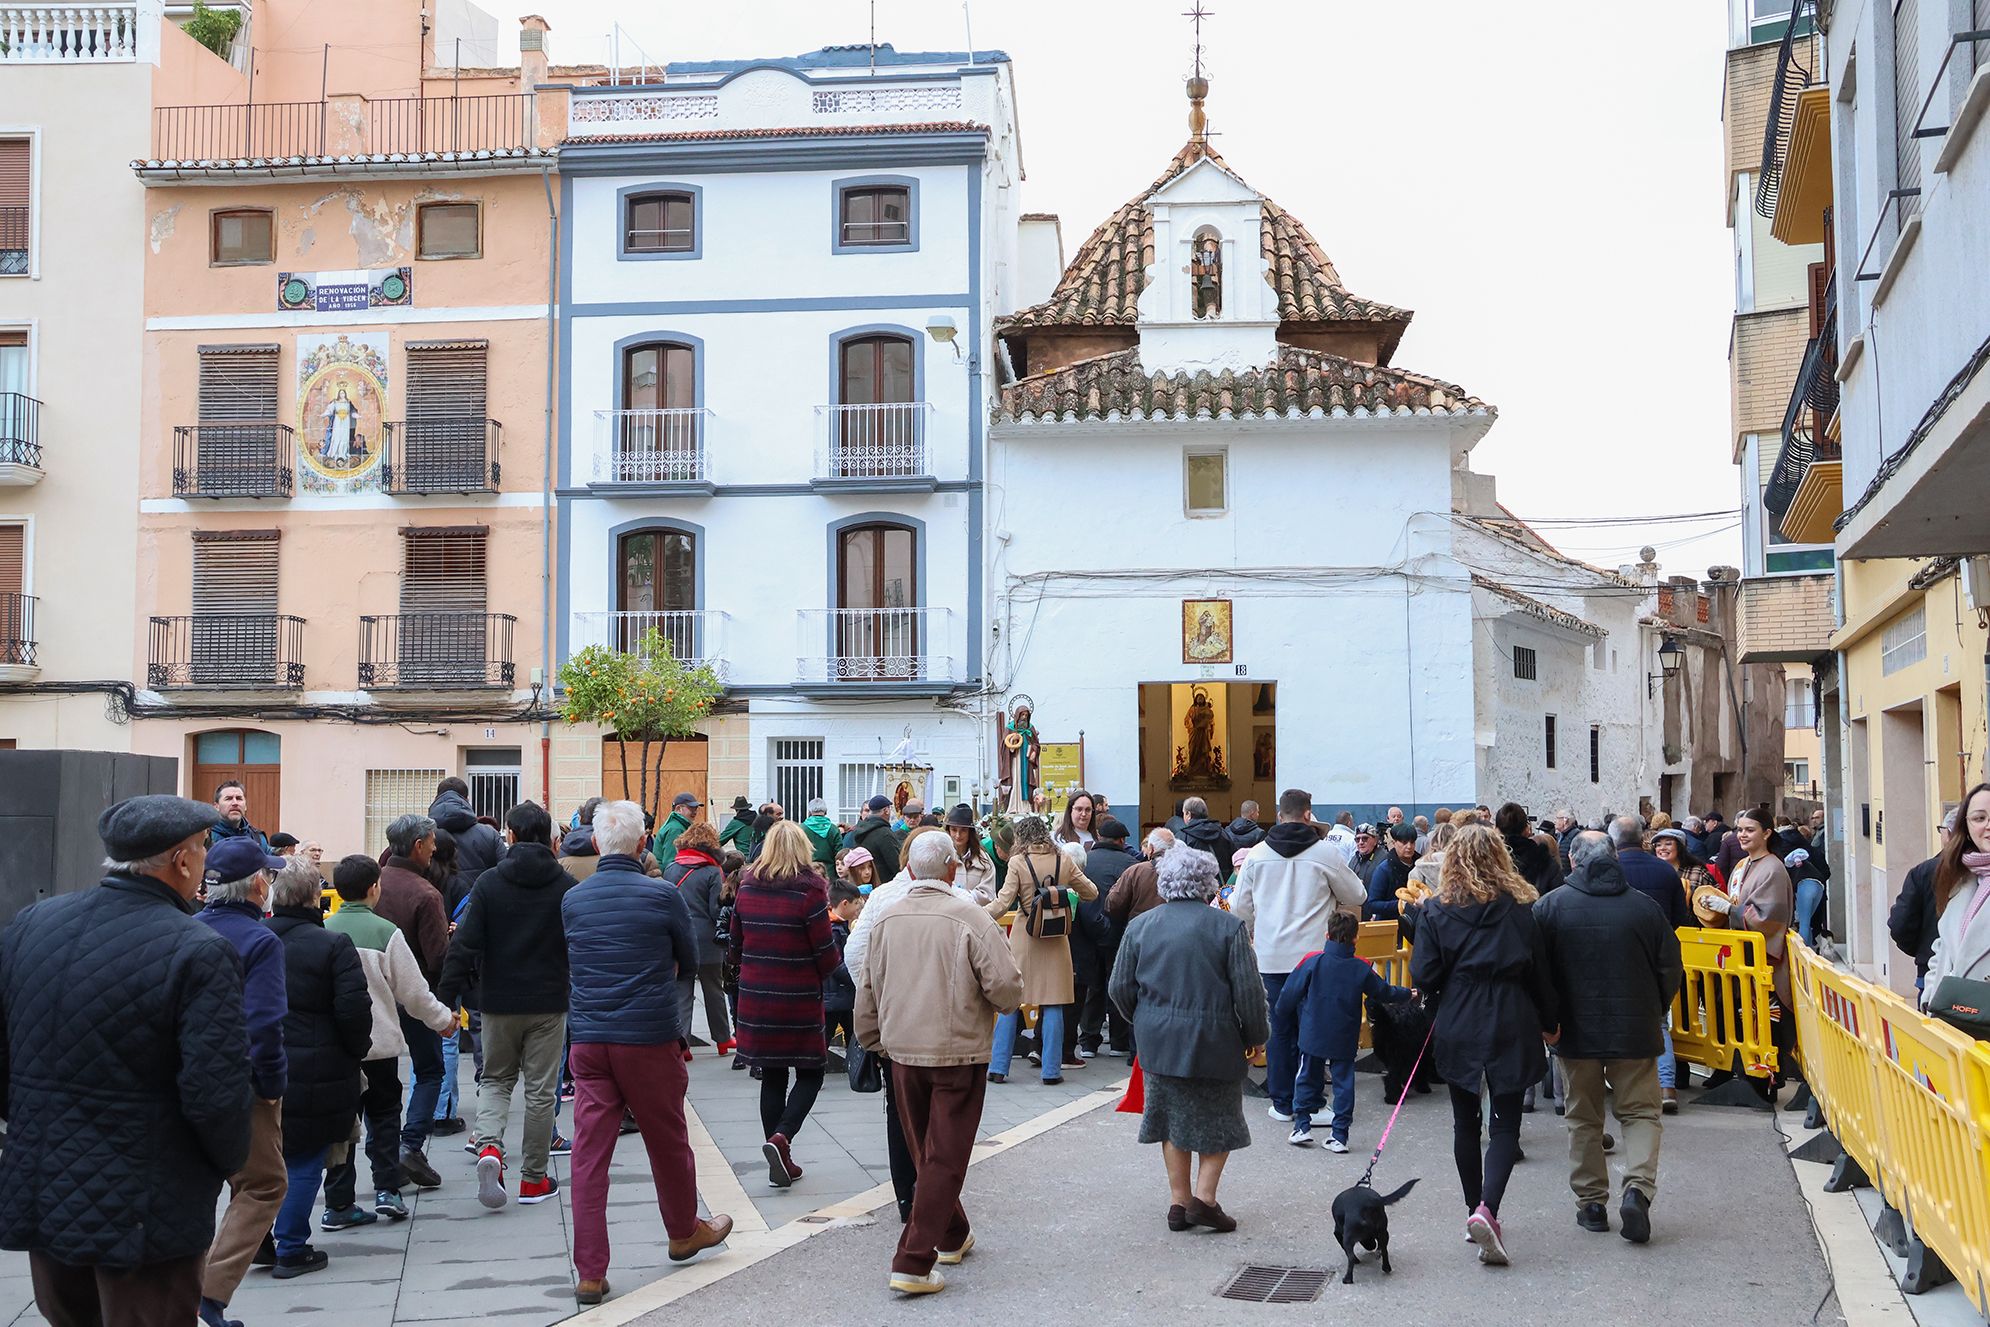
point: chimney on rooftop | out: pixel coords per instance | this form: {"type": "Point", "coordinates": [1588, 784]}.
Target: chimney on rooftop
{"type": "Point", "coordinates": [532, 32]}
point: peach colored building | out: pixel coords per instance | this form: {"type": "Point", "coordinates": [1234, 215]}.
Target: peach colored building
{"type": "Point", "coordinates": [343, 525]}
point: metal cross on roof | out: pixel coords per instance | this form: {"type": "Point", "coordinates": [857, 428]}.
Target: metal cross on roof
{"type": "Point", "coordinates": [1197, 13]}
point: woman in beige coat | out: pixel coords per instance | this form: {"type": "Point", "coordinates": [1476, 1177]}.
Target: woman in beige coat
{"type": "Point", "coordinates": [1761, 898]}
{"type": "Point", "coordinates": [1046, 963]}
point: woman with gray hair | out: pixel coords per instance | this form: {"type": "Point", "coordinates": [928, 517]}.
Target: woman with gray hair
{"type": "Point", "coordinates": [1187, 979]}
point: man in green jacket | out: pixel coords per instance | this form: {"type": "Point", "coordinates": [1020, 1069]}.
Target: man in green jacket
{"type": "Point", "coordinates": [823, 834]}
{"type": "Point", "coordinates": [684, 809]}
{"type": "Point", "coordinates": [738, 832]}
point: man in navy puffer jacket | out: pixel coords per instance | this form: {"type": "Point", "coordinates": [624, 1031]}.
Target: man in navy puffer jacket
{"type": "Point", "coordinates": [628, 937]}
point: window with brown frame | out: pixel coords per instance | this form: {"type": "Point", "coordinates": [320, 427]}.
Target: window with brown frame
{"type": "Point", "coordinates": [876, 216]}
{"type": "Point", "coordinates": [16, 205]}
{"type": "Point", "coordinates": [660, 223]}
{"type": "Point", "coordinates": [242, 237]}
{"type": "Point", "coordinates": [449, 230]}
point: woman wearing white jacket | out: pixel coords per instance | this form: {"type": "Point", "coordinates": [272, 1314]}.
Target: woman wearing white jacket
{"type": "Point", "coordinates": [1962, 898]}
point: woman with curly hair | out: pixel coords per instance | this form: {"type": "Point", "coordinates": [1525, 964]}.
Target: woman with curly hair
{"type": "Point", "coordinates": [1478, 953]}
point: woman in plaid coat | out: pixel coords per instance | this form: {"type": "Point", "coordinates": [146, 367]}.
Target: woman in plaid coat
{"type": "Point", "coordinates": [781, 944]}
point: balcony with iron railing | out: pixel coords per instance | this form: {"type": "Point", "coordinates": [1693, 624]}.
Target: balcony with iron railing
{"type": "Point", "coordinates": [19, 660]}
{"type": "Point", "coordinates": [441, 455]}
{"type": "Point", "coordinates": [20, 439]}
{"type": "Point", "coordinates": [226, 652]}
{"type": "Point", "coordinates": [16, 240]}
{"type": "Point", "coordinates": [234, 460]}
{"type": "Point", "coordinates": [844, 650]}
{"type": "Point", "coordinates": [347, 126]}
{"type": "Point", "coordinates": [652, 451]}
{"type": "Point", "coordinates": [874, 448]}
{"type": "Point", "coordinates": [695, 637]}
{"type": "Point", "coordinates": [436, 651]}
{"type": "Point", "coordinates": [42, 34]}
{"type": "Point", "coordinates": [1797, 67]}
{"type": "Point", "coordinates": [1805, 490]}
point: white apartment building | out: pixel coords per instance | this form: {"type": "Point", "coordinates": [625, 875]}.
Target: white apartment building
{"type": "Point", "coordinates": [777, 280]}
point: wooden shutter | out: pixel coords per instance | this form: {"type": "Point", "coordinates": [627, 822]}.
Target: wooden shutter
{"type": "Point", "coordinates": [15, 188]}
{"type": "Point", "coordinates": [1820, 282]}
{"type": "Point", "coordinates": [1906, 101]}
{"type": "Point", "coordinates": [442, 570]}
{"type": "Point", "coordinates": [238, 384]}
{"type": "Point", "coordinates": [235, 573]}
{"type": "Point", "coordinates": [13, 559]}
{"type": "Point", "coordinates": [446, 379]}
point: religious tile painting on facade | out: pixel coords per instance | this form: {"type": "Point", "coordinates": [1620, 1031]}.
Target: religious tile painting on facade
{"type": "Point", "coordinates": [342, 382]}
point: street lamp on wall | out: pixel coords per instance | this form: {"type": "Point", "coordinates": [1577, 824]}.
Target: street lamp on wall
{"type": "Point", "coordinates": [1669, 658]}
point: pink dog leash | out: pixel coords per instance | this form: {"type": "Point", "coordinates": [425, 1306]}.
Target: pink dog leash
{"type": "Point", "coordinates": [1408, 1083]}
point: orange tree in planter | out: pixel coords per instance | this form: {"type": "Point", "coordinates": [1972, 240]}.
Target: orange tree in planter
{"type": "Point", "coordinates": [646, 695]}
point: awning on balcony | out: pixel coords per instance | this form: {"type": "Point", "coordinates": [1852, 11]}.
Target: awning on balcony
{"type": "Point", "coordinates": [1927, 499]}
{"type": "Point", "coordinates": [1820, 496]}
{"type": "Point", "coordinates": [1806, 183]}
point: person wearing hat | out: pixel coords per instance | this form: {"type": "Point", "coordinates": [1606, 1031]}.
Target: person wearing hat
{"type": "Point", "coordinates": [872, 833]}
{"type": "Point", "coordinates": [130, 1099]}
{"type": "Point", "coordinates": [239, 875]}
{"type": "Point", "coordinates": [684, 809]}
{"type": "Point", "coordinates": [976, 870]}
{"type": "Point", "coordinates": [1368, 850]}
{"type": "Point", "coordinates": [739, 830]}
{"type": "Point", "coordinates": [1390, 874]}
{"type": "Point", "coordinates": [824, 835]}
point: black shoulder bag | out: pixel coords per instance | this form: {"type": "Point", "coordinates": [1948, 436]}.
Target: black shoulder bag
{"type": "Point", "coordinates": [1047, 912]}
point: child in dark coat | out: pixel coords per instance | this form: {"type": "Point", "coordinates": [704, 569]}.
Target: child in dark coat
{"type": "Point", "coordinates": [1320, 1009]}
{"type": "Point", "coordinates": [839, 988]}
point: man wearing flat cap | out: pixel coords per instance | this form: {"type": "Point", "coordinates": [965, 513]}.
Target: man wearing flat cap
{"type": "Point", "coordinates": [125, 1071]}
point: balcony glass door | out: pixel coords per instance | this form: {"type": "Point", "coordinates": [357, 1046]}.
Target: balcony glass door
{"type": "Point", "coordinates": [656, 433]}
{"type": "Point", "coordinates": [877, 427]}
{"type": "Point", "coordinates": [876, 632]}
{"type": "Point", "coordinates": [656, 588]}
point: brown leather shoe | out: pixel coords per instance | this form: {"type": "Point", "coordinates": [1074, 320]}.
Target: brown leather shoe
{"type": "Point", "coordinates": [591, 1292]}
{"type": "Point", "coordinates": [707, 1235]}
{"type": "Point", "coordinates": [1177, 1217]}
{"type": "Point", "coordinates": [1211, 1215]}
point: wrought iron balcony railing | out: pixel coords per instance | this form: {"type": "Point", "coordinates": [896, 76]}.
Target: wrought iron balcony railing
{"type": "Point", "coordinates": [651, 446]}
{"type": "Point", "coordinates": [20, 430]}
{"type": "Point", "coordinates": [17, 630]}
{"type": "Point", "coordinates": [406, 125]}
{"type": "Point", "coordinates": [874, 441]}
{"type": "Point", "coordinates": [876, 645]}
{"type": "Point", "coordinates": [16, 244]}
{"type": "Point", "coordinates": [228, 651]}
{"type": "Point", "coordinates": [252, 460]}
{"type": "Point", "coordinates": [697, 638]}
{"type": "Point", "coordinates": [1813, 401]}
{"type": "Point", "coordinates": [436, 651]}
{"type": "Point", "coordinates": [1796, 69]}
{"type": "Point", "coordinates": [445, 455]}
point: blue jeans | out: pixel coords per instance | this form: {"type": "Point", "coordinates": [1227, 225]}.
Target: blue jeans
{"type": "Point", "coordinates": [1810, 897]}
{"type": "Point", "coordinates": [1279, 1053]}
{"type": "Point", "coordinates": [293, 1219]}
{"type": "Point", "coordinates": [1049, 1040]}
{"type": "Point", "coordinates": [425, 1055]}
{"type": "Point", "coordinates": [1668, 1068]}
{"type": "Point", "coordinates": [1309, 1092]}
{"type": "Point", "coordinates": [451, 1098]}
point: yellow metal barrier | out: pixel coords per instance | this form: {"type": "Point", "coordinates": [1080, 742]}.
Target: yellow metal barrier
{"type": "Point", "coordinates": [1723, 1004]}
{"type": "Point", "coordinates": [1381, 945]}
{"type": "Point", "coordinates": [329, 900]}
{"type": "Point", "coordinates": [1908, 1099]}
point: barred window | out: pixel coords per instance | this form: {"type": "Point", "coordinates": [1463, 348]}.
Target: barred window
{"type": "Point", "coordinates": [393, 793]}
{"type": "Point", "coordinates": [797, 773]}
{"type": "Point", "coordinates": [1525, 665]}
{"type": "Point", "coordinates": [856, 783]}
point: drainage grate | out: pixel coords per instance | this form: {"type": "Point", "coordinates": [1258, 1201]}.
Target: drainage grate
{"type": "Point", "coordinates": [1277, 1285]}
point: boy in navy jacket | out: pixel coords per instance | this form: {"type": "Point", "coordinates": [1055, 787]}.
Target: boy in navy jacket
{"type": "Point", "coordinates": [1320, 1009]}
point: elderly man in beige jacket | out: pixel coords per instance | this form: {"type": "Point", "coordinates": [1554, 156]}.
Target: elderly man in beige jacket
{"type": "Point", "coordinates": [934, 977]}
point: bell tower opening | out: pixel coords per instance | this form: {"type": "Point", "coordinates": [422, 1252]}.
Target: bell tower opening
{"type": "Point", "coordinates": [1205, 272]}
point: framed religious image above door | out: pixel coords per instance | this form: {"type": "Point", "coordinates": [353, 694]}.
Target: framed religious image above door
{"type": "Point", "coordinates": [1206, 635]}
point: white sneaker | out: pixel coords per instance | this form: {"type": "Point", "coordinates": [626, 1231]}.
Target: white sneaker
{"type": "Point", "coordinates": [1336, 1145]}
{"type": "Point", "coordinates": [1302, 1135]}
{"type": "Point", "coordinates": [907, 1284]}
{"type": "Point", "coordinates": [1281, 1116]}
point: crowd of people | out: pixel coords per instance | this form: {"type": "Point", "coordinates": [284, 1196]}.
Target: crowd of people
{"type": "Point", "coordinates": [204, 1019]}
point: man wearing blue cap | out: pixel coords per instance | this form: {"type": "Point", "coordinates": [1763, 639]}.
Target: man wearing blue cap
{"type": "Point", "coordinates": [124, 1072]}
{"type": "Point", "coordinates": [239, 875]}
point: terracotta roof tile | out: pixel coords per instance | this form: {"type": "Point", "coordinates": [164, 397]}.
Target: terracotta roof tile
{"type": "Point", "coordinates": [1102, 284]}
{"type": "Point", "coordinates": [801, 131]}
{"type": "Point", "coordinates": [1299, 382]}
{"type": "Point", "coordinates": [1535, 608]}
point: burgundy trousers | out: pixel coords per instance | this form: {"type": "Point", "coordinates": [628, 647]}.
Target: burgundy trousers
{"type": "Point", "coordinates": [158, 1294]}
{"type": "Point", "coordinates": [940, 1109]}
{"type": "Point", "coordinates": [649, 1082]}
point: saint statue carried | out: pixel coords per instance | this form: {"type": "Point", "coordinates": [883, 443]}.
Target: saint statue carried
{"type": "Point", "coordinates": [1017, 757]}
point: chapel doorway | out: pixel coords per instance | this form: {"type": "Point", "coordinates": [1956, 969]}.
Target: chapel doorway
{"type": "Point", "coordinates": [1213, 740]}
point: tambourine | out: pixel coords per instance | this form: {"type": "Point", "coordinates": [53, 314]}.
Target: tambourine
{"type": "Point", "coordinates": [1013, 741]}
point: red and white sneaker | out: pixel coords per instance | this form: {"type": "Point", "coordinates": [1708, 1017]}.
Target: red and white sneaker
{"type": "Point", "coordinates": [1483, 1229]}
{"type": "Point", "coordinates": [537, 1191]}
{"type": "Point", "coordinates": [490, 1177]}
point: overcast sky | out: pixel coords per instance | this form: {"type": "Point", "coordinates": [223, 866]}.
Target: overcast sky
{"type": "Point", "coordinates": [1540, 183]}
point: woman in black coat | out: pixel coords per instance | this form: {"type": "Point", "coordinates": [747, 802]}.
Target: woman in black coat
{"type": "Point", "coordinates": [326, 1034]}
{"type": "Point", "coordinates": [1479, 954]}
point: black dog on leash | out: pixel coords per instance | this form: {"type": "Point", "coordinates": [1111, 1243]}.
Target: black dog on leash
{"type": "Point", "coordinates": [1398, 1031]}
{"type": "Point", "coordinates": [1361, 1216]}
